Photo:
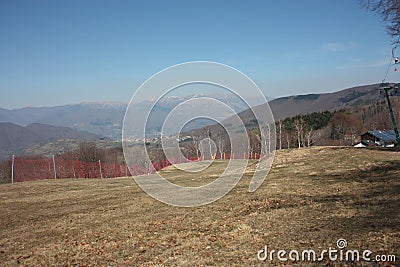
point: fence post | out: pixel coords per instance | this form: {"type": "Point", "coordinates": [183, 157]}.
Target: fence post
{"type": "Point", "coordinates": [54, 167]}
{"type": "Point", "coordinates": [12, 168]}
{"type": "Point", "coordinates": [101, 173]}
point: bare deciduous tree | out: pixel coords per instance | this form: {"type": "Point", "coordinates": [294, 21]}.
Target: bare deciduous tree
{"type": "Point", "coordinates": [312, 136]}
{"type": "Point", "coordinates": [264, 138]}
{"type": "Point", "coordinates": [195, 144]}
{"type": "Point", "coordinates": [299, 126]}
{"type": "Point", "coordinates": [268, 137]}
{"type": "Point", "coordinates": [207, 133]}
{"type": "Point", "coordinates": [220, 140]}
{"type": "Point", "coordinates": [288, 140]}
{"type": "Point", "coordinates": [280, 135]}
{"type": "Point", "coordinates": [308, 135]}
{"type": "Point", "coordinates": [89, 152]}
{"type": "Point", "coordinates": [389, 10]}
{"type": "Point", "coordinates": [254, 141]}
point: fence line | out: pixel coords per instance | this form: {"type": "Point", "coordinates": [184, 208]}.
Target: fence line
{"type": "Point", "coordinates": [52, 168]}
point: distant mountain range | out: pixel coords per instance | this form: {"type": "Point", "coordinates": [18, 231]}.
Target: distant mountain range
{"type": "Point", "coordinates": [26, 127]}
{"type": "Point", "coordinates": [104, 119]}
{"type": "Point", "coordinates": [15, 139]}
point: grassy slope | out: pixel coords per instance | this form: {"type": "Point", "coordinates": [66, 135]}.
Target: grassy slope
{"type": "Point", "coordinates": [311, 198]}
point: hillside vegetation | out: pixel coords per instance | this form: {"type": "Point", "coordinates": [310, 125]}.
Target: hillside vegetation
{"type": "Point", "coordinates": [312, 197]}
{"type": "Point", "coordinates": [16, 139]}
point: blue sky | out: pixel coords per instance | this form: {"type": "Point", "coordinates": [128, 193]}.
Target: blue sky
{"type": "Point", "coordinates": [59, 52]}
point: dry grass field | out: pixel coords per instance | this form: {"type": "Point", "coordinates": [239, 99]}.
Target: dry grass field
{"type": "Point", "coordinates": [311, 198]}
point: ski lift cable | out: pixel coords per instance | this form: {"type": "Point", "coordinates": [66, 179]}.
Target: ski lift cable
{"type": "Point", "coordinates": [394, 59]}
{"type": "Point", "coordinates": [387, 70]}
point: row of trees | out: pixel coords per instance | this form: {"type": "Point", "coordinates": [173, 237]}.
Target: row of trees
{"type": "Point", "coordinates": [201, 141]}
{"type": "Point", "coordinates": [341, 127]}
{"type": "Point", "coordinates": [90, 152]}
{"type": "Point", "coordinates": [302, 130]}
{"type": "Point", "coordinates": [297, 131]}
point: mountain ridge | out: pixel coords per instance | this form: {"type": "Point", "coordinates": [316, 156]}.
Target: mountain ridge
{"type": "Point", "coordinates": [290, 106]}
{"type": "Point", "coordinates": [15, 139]}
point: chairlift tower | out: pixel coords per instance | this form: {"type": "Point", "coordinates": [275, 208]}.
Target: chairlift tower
{"type": "Point", "coordinates": [386, 88]}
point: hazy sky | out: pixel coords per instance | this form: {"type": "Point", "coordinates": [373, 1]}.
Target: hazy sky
{"type": "Point", "coordinates": [58, 52]}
